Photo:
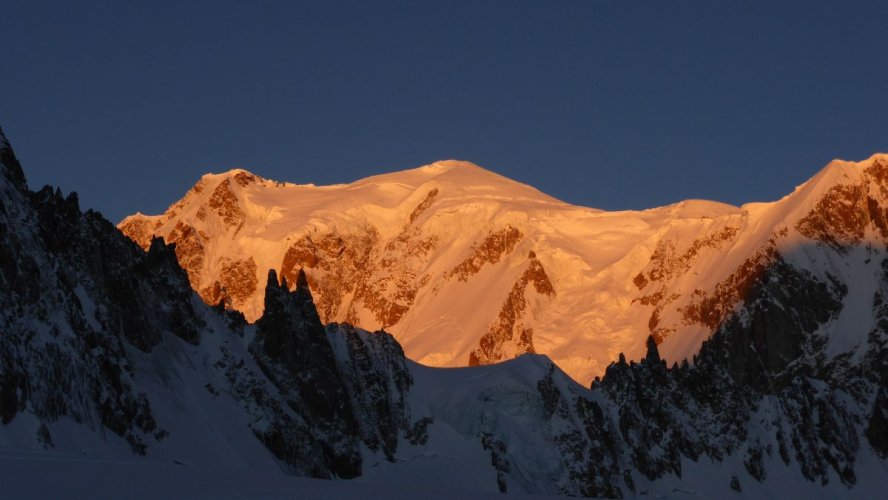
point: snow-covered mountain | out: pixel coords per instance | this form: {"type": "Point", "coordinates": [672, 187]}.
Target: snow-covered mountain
{"type": "Point", "coordinates": [117, 380]}
{"type": "Point", "coordinates": [466, 267]}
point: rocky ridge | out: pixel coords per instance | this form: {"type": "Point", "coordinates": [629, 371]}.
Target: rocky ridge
{"type": "Point", "coordinates": [111, 338]}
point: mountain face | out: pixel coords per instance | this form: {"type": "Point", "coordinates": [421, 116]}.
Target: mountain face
{"type": "Point", "coordinates": [466, 267]}
{"type": "Point", "coordinates": [107, 354]}
{"type": "Point", "coordinates": [104, 340]}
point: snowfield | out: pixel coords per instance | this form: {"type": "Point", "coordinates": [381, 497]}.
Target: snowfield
{"type": "Point", "coordinates": [451, 465]}
{"type": "Point", "coordinates": [51, 475]}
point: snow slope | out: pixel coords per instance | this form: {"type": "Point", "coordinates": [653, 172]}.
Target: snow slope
{"type": "Point", "coordinates": [78, 477]}
{"type": "Point", "coordinates": [502, 401]}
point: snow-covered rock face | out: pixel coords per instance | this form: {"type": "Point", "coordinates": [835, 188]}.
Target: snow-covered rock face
{"type": "Point", "coordinates": [439, 256]}
{"type": "Point", "coordinates": [106, 351]}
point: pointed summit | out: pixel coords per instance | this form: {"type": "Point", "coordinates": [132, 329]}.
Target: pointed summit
{"type": "Point", "coordinates": [302, 282]}
{"type": "Point", "coordinates": [4, 143]}
{"type": "Point", "coordinates": [293, 349]}
{"type": "Point", "coordinates": [290, 318]}
{"type": "Point", "coordinates": [272, 279]}
{"type": "Point", "coordinates": [653, 354]}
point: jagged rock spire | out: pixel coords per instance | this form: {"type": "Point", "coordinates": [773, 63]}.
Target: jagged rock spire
{"type": "Point", "coordinates": [302, 296]}
{"type": "Point", "coordinates": [292, 348]}
{"type": "Point", "coordinates": [274, 317]}
{"type": "Point", "coordinates": [9, 164]}
{"type": "Point", "coordinates": [4, 143]}
{"type": "Point", "coordinates": [272, 283]}
{"type": "Point", "coordinates": [288, 316]}
{"type": "Point", "coordinates": [302, 282]}
{"type": "Point", "coordinates": [653, 354]}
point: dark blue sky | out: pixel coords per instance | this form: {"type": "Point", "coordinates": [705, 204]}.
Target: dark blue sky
{"type": "Point", "coordinates": [607, 104]}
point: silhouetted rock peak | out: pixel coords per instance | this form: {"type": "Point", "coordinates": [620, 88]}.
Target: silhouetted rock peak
{"type": "Point", "coordinates": [9, 164]}
{"type": "Point", "coordinates": [653, 354]}
{"type": "Point", "coordinates": [272, 283]}
{"type": "Point", "coordinates": [302, 281]}
{"type": "Point", "coordinates": [292, 348]}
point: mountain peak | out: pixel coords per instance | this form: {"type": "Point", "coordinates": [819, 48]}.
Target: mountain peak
{"type": "Point", "coordinates": [838, 169]}
{"type": "Point", "coordinates": [464, 168]}
{"type": "Point", "coordinates": [9, 164]}
{"type": "Point", "coordinates": [229, 173]}
{"type": "Point", "coordinates": [841, 163]}
{"type": "Point", "coordinates": [444, 165]}
{"type": "Point", "coordinates": [4, 143]}
{"type": "Point", "coordinates": [240, 176]}
{"type": "Point", "coordinates": [302, 282]}
{"type": "Point", "coordinates": [459, 178]}
{"type": "Point", "coordinates": [445, 245]}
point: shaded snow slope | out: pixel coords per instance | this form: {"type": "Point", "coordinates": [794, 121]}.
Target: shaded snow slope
{"type": "Point", "coordinates": [465, 266]}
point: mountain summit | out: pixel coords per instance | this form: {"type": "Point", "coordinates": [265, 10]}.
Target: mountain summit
{"type": "Point", "coordinates": [465, 266]}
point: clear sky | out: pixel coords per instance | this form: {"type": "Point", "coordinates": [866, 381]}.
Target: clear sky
{"type": "Point", "coordinates": [607, 104]}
